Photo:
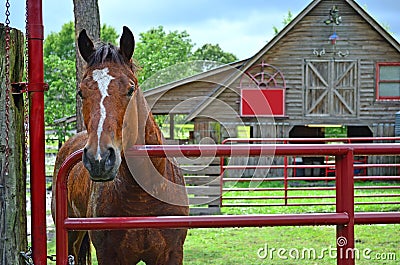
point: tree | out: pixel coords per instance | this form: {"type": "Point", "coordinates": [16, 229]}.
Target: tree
{"type": "Point", "coordinates": [286, 20]}
{"type": "Point", "coordinates": [87, 16]}
{"type": "Point", "coordinates": [157, 50]}
{"type": "Point", "coordinates": [60, 75]}
{"type": "Point", "coordinates": [210, 52]}
{"type": "Point", "coordinates": [62, 43]}
{"type": "Point", "coordinates": [108, 34]}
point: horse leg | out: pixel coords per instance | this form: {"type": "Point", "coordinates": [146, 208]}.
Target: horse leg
{"type": "Point", "coordinates": [112, 247]}
{"type": "Point", "coordinates": [175, 245]}
{"type": "Point", "coordinates": [171, 257]}
{"type": "Point", "coordinates": [169, 254]}
{"type": "Point", "coordinates": [79, 247]}
{"type": "Point", "coordinates": [175, 256]}
{"type": "Point", "coordinates": [110, 257]}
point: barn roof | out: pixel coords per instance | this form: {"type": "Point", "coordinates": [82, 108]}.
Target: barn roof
{"type": "Point", "coordinates": [200, 76]}
{"type": "Point", "coordinates": [246, 64]}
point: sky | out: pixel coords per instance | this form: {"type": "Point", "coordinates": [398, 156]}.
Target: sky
{"type": "Point", "coordinates": [239, 27]}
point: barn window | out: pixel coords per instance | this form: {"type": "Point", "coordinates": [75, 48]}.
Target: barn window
{"type": "Point", "coordinates": [262, 92]}
{"type": "Point", "coordinates": [388, 81]}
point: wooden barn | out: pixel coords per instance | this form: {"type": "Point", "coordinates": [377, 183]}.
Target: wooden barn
{"type": "Point", "coordinates": [333, 66]}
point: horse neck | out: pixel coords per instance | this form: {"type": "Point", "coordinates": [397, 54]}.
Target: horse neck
{"type": "Point", "coordinates": [155, 174]}
{"type": "Point", "coordinates": [148, 131]}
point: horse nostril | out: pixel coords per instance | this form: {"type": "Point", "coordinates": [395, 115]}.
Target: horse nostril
{"type": "Point", "coordinates": [110, 159]}
{"type": "Point", "coordinates": [86, 160]}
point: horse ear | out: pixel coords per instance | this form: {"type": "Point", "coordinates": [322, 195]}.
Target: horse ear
{"type": "Point", "coordinates": [127, 44]}
{"type": "Point", "coordinates": [86, 47]}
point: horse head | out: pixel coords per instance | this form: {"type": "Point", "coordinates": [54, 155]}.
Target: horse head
{"type": "Point", "coordinates": [108, 84]}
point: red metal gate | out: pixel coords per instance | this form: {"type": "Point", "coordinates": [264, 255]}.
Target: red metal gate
{"type": "Point", "coordinates": [344, 218]}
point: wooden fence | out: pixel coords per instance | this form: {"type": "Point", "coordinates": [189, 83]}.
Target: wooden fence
{"type": "Point", "coordinates": [203, 184]}
{"type": "Point", "coordinates": [13, 238]}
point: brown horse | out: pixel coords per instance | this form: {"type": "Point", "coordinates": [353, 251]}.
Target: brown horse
{"type": "Point", "coordinates": [106, 183]}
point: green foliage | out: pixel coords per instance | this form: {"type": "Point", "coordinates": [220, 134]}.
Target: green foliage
{"type": "Point", "coordinates": [336, 132]}
{"type": "Point", "coordinates": [108, 34]}
{"type": "Point", "coordinates": [170, 56]}
{"type": "Point", "coordinates": [158, 50]}
{"type": "Point", "coordinates": [286, 20]}
{"type": "Point", "coordinates": [61, 44]}
{"type": "Point", "coordinates": [60, 99]}
{"type": "Point", "coordinates": [59, 73]}
{"type": "Point", "coordinates": [210, 52]}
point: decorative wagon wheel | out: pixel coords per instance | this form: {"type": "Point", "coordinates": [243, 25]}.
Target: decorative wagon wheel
{"type": "Point", "coordinates": [263, 76]}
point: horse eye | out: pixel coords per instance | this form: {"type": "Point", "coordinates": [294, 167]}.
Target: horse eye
{"type": "Point", "coordinates": [80, 94]}
{"type": "Point", "coordinates": [131, 90]}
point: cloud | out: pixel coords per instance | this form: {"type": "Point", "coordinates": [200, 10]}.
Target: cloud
{"type": "Point", "coordinates": [242, 37]}
{"type": "Point", "coordinates": [240, 27]}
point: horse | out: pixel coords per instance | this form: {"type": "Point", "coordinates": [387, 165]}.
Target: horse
{"type": "Point", "coordinates": [106, 183]}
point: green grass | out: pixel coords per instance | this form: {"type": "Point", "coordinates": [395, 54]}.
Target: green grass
{"type": "Point", "coordinates": [231, 246]}
{"type": "Point", "coordinates": [241, 245]}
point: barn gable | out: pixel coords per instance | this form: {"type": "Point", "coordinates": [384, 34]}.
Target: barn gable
{"type": "Point", "coordinates": [331, 73]}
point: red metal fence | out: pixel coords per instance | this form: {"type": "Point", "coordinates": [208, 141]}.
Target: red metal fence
{"type": "Point", "coordinates": [282, 185]}
{"type": "Point", "coordinates": [344, 217]}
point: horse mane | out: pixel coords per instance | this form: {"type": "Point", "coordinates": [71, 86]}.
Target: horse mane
{"type": "Point", "coordinates": [107, 52]}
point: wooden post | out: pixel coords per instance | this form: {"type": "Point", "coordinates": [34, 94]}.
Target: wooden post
{"type": "Point", "coordinates": [171, 126]}
{"type": "Point", "coordinates": [13, 235]}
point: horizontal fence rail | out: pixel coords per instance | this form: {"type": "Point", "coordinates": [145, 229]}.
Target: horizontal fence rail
{"type": "Point", "coordinates": [320, 140]}
{"type": "Point", "coordinates": [218, 221]}
{"type": "Point", "coordinates": [261, 149]}
{"type": "Point", "coordinates": [344, 217]}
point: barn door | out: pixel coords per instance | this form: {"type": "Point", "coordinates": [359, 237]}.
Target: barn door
{"type": "Point", "coordinates": [331, 88]}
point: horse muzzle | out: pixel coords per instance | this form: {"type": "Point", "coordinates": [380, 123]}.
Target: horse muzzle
{"type": "Point", "coordinates": [102, 166]}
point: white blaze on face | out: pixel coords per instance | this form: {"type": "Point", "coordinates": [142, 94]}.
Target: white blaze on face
{"type": "Point", "coordinates": [103, 80]}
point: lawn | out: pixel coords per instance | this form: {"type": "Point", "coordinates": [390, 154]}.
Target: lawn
{"type": "Point", "coordinates": [375, 244]}
{"type": "Point", "coordinates": [299, 245]}
{"type": "Point", "coordinates": [296, 245]}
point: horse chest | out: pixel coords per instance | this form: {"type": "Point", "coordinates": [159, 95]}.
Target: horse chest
{"type": "Point", "coordinates": [121, 199]}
